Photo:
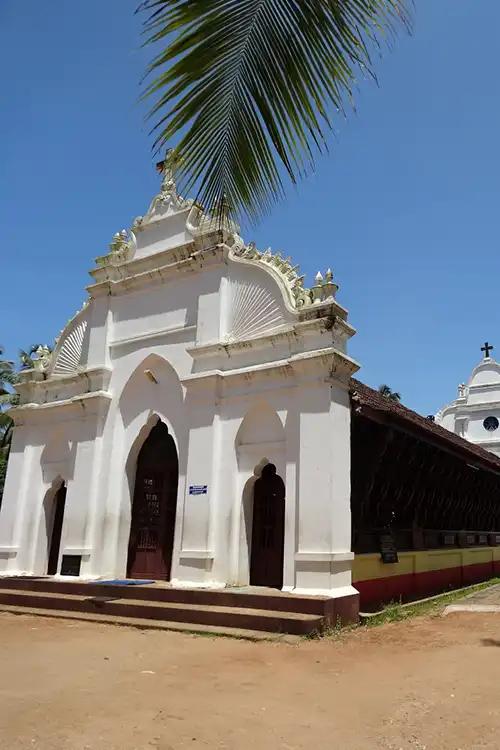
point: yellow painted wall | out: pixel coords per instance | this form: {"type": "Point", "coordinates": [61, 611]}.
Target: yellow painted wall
{"type": "Point", "coordinates": [370, 566]}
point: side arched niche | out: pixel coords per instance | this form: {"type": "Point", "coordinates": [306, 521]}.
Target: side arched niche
{"type": "Point", "coordinates": [260, 441]}
{"type": "Point", "coordinates": [46, 528]}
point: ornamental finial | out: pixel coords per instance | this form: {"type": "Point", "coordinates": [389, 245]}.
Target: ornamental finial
{"type": "Point", "coordinates": [119, 242]}
{"type": "Point", "coordinates": [167, 167]}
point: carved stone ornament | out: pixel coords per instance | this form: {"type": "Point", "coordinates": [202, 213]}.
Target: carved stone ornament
{"type": "Point", "coordinates": [168, 195]}
{"type": "Point", "coordinates": [43, 357]}
{"type": "Point", "coordinates": [322, 292]}
{"type": "Point", "coordinates": [120, 249]}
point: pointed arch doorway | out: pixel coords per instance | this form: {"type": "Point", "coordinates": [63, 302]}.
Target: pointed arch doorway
{"type": "Point", "coordinates": [268, 530]}
{"type": "Point", "coordinates": [154, 507]}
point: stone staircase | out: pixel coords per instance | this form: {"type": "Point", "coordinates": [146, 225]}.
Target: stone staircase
{"type": "Point", "coordinates": [245, 613]}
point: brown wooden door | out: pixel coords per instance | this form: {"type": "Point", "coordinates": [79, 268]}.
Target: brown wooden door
{"type": "Point", "coordinates": [268, 530]}
{"type": "Point", "coordinates": [55, 537]}
{"type": "Point", "coordinates": [154, 506]}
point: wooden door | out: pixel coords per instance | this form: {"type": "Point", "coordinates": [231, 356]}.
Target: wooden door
{"type": "Point", "coordinates": [55, 536]}
{"type": "Point", "coordinates": [268, 530]}
{"type": "Point", "coordinates": [154, 506]}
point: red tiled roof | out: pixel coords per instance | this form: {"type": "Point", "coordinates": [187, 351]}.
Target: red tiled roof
{"type": "Point", "coordinates": [409, 421]}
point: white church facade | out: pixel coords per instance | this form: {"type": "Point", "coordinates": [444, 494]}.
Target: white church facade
{"type": "Point", "coordinates": [475, 413]}
{"type": "Point", "coordinates": [192, 423]}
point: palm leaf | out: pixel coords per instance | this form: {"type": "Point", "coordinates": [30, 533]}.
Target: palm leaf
{"type": "Point", "coordinates": [247, 89]}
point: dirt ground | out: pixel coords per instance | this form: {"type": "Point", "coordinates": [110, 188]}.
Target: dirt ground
{"type": "Point", "coordinates": [432, 682]}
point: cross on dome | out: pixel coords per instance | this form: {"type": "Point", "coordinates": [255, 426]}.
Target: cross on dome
{"type": "Point", "coordinates": [487, 348]}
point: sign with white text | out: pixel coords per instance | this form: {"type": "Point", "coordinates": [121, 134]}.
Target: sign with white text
{"type": "Point", "coordinates": [198, 489]}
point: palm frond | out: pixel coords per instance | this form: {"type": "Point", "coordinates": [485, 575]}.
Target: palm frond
{"type": "Point", "coordinates": [7, 373]}
{"type": "Point", "coordinates": [7, 399]}
{"type": "Point", "coordinates": [249, 88]}
{"type": "Point", "coordinates": [386, 390]}
{"type": "Point", "coordinates": [26, 358]}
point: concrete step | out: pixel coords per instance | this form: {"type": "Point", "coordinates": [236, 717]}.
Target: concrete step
{"type": "Point", "coordinates": [137, 622]}
{"type": "Point", "coordinates": [245, 597]}
{"type": "Point", "coordinates": [296, 623]}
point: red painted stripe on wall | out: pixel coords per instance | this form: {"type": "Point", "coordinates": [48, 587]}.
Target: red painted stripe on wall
{"type": "Point", "coordinates": [416, 585]}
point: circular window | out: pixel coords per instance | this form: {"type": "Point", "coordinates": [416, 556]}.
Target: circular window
{"type": "Point", "coordinates": [490, 424]}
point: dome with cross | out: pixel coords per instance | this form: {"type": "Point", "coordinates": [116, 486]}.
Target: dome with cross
{"type": "Point", "coordinates": [475, 413]}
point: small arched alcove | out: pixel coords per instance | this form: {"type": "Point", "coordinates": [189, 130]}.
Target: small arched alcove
{"type": "Point", "coordinates": [154, 506]}
{"type": "Point", "coordinates": [52, 519]}
{"type": "Point", "coordinates": [260, 425]}
{"type": "Point", "coordinates": [260, 449]}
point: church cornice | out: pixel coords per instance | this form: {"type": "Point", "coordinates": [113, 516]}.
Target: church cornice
{"type": "Point", "coordinates": [158, 268]}
{"type": "Point", "coordinates": [80, 406]}
{"type": "Point", "coordinates": [313, 366]}
{"type": "Point", "coordinates": [484, 386]}
{"type": "Point", "coordinates": [463, 410]}
{"type": "Point", "coordinates": [288, 335]}
{"type": "Point", "coordinates": [59, 389]}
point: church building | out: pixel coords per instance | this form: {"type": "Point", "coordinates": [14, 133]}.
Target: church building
{"type": "Point", "coordinates": [192, 423]}
{"type": "Point", "coordinates": [198, 422]}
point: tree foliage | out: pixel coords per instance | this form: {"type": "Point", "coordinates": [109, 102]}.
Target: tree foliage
{"type": "Point", "coordinates": [247, 90]}
{"type": "Point", "coordinates": [387, 391]}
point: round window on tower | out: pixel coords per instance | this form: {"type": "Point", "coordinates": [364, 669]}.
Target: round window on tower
{"type": "Point", "coordinates": [490, 424]}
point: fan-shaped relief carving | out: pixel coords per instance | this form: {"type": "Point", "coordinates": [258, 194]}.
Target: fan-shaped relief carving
{"type": "Point", "coordinates": [253, 311]}
{"type": "Point", "coordinates": [69, 356]}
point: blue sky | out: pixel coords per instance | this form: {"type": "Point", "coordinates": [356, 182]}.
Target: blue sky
{"type": "Point", "coordinates": [404, 209]}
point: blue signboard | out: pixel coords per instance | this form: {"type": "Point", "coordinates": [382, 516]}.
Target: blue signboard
{"type": "Point", "coordinates": [198, 489]}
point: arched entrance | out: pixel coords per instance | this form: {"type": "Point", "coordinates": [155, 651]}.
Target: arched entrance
{"type": "Point", "coordinates": [54, 528]}
{"type": "Point", "coordinates": [153, 508]}
{"type": "Point", "coordinates": [268, 530]}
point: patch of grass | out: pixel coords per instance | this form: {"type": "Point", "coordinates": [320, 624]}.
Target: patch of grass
{"type": "Point", "coordinates": [396, 611]}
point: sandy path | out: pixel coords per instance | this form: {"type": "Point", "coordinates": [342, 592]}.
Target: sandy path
{"type": "Point", "coordinates": [430, 683]}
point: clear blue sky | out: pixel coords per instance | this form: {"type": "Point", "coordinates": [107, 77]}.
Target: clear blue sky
{"type": "Point", "coordinates": [405, 209]}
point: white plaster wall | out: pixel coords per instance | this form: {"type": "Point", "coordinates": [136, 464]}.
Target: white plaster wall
{"type": "Point", "coordinates": [16, 498]}
{"type": "Point", "coordinates": [484, 395]}
{"type": "Point", "coordinates": [154, 238]}
{"type": "Point", "coordinates": [448, 421]}
{"type": "Point", "coordinates": [162, 308]}
{"type": "Point", "coordinates": [100, 331]}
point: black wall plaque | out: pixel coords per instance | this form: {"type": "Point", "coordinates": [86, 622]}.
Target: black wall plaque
{"type": "Point", "coordinates": [388, 549]}
{"type": "Point", "coordinates": [70, 565]}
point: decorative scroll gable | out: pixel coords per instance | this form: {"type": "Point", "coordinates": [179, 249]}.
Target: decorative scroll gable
{"type": "Point", "coordinates": [71, 346]}
{"type": "Point", "coordinates": [323, 291]}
